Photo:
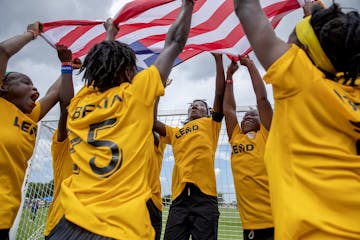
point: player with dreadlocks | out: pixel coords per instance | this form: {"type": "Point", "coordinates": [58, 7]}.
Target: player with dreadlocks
{"type": "Point", "coordinates": [104, 72]}
{"type": "Point", "coordinates": [313, 149]}
{"type": "Point", "coordinates": [110, 121]}
{"type": "Point", "coordinates": [194, 209]}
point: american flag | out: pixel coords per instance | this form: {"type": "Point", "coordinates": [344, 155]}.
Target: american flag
{"type": "Point", "coordinates": [143, 25]}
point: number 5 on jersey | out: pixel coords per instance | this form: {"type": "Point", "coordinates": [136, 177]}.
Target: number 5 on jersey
{"type": "Point", "coordinates": [116, 153]}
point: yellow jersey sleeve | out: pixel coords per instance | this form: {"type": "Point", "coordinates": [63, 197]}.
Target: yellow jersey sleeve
{"type": "Point", "coordinates": [169, 134]}
{"type": "Point", "coordinates": [312, 150]}
{"type": "Point", "coordinates": [141, 88]}
{"type": "Point", "coordinates": [289, 84]}
{"type": "Point", "coordinates": [154, 173]}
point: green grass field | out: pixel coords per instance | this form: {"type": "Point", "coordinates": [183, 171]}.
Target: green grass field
{"type": "Point", "coordinates": [229, 224]}
{"type": "Point", "coordinates": [29, 229]}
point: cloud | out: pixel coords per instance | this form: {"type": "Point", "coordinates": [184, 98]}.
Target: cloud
{"type": "Point", "coordinates": [116, 6]}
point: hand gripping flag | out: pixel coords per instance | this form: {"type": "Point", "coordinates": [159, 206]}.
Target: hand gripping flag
{"type": "Point", "coordinates": [144, 24]}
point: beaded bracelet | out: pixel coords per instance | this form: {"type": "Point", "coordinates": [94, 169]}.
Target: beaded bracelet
{"type": "Point", "coordinates": [66, 63]}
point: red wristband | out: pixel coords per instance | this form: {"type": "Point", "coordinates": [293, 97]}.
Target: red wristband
{"type": "Point", "coordinates": [229, 81]}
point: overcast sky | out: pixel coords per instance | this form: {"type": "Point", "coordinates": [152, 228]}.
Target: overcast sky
{"type": "Point", "coordinates": [192, 79]}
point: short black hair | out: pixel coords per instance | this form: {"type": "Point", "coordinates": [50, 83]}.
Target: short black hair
{"type": "Point", "coordinates": [203, 101]}
{"type": "Point", "coordinates": [206, 105]}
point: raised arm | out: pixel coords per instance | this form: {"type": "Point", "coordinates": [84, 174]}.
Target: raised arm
{"type": "Point", "coordinates": [111, 29]}
{"type": "Point", "coordinates": [175, 40]}
{"type": "Point", "coordinates": [158, 126]}
{"type": "Point", "coordinates": [263, 104]}
{"type": "Point", "coordinates": [11, 46]}
{"type": "Point", "coordinates": [53, 94]}
{"type": "Point", "coordinates": [229, 104]}
{"type": "Point", "coordinates": [220, 84]}
{"type": "Point", "coordinates": [66, 92]}
{"type": "Point", "coordinates": [267, 46]}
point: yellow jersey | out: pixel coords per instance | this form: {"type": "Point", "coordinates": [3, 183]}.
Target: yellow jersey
{"type": "Point", "coordinates": [110, 144]}
{"type": "Point", "coordinates": [194, 147]}
{"type": "Point", "coordinates": [312, 152]}
{"type": "Point", "coordinates": [62, 167]}
{"type": "Point", "coordinates": [154, 169]}
{"type": "Point", "coordinates": [18, 134]}
{"type": "Point", "coordinates": [250, 178]}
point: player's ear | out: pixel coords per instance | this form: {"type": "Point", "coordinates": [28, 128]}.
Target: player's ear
{"type": "Point", "coordinates": [130, 73]}
{"type": "Point", "coordinates": [3, 90]}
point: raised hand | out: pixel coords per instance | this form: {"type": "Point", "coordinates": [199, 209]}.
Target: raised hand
{"type": "Point", "coordinates": [111, 29]}
{"type": "Point", "coordinates": [232, 68]}
{"type": "Point", "coordinates": [35, 28]}
{"type": "Point", "coordinates": [64, 54]}
{"type": "Point", "coordinates": [217, 56]}
{"type": "Point", "coordinates": [245, 61]}
{"type": "Point", "coordinates": [76, 63]}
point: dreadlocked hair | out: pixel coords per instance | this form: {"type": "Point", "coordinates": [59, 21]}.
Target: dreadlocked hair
{"type": "Point", "coordinates": [106, 64]}
{"type": "Point", "coordinates": [339, 36]}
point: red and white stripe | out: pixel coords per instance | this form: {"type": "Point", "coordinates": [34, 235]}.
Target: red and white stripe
{"type": "Point", "coordinates": [214, 27]}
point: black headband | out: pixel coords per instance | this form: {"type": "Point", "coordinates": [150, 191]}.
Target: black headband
{"type": "Point", "coordinates": [6, 76]}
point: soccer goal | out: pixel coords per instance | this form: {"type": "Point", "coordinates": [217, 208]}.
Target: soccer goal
{"type": "Point", "coordinates": [38, 184]}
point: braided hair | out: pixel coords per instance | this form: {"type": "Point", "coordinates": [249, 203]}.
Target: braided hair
{"type": "Point", "coordinates": [106, 65]}
{"type": "Point", "coordinates": [339, 36]}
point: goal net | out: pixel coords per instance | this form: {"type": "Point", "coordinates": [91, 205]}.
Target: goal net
{"type": "Point", "coordinates": [38, 183]}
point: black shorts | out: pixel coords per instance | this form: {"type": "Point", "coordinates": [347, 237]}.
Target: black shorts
{"type": "Point", "coordinates": [70, 231]}
{"type": "Point", "coordinates": [4, 234]}
{"type": "Point", "coordinates": [155, 217]}
{"type": "Point", "coordinates": [193, 213]}
{"type": "Point", "coordinates": [259, 234]}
